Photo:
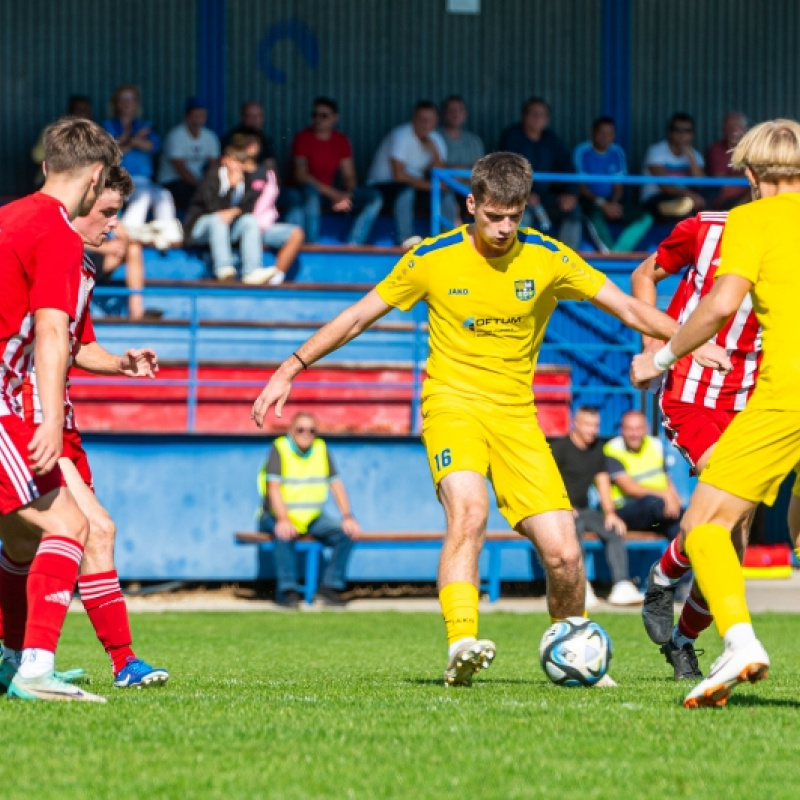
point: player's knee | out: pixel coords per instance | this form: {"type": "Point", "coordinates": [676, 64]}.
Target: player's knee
{"type": "Point", "coordinates": [469, 521]}
{"type": "Point", "coordinates": [566, 560]}
{"type": "Point", "coordinates": [102, 529]}
{"type": "Point", "coordinates": [70, 523]}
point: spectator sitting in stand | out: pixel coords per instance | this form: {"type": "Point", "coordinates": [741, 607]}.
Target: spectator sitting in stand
{"type": "Point", "coordinates": [464, 148]}
{"type": "Point", "coordinates": [325, 176]}
{"type": "Point", "coordinates": [221, 214]}
{"type": "Point", "coordinates": [294, 487]}
{"type": "Point", "coordinates": [400, 170]}
{"type": "Point", "coordinates": [581, 462]}
{"type": "Point", "coordinates": [139, 142]}
{"type": "Point", "coordinates": [549, 204]}
{"type": "Point", "coordinates": [602, 202]}
{"type": "Point", "coordinates": [673, 157]}
{"type": "Point", "coordinates": [189, 149]}
{"type": "Point", "coordinates": [251, 124]}
{"type": "Point", "coordinates": [645, 497]}
{"type": "Point", "coordinates": [718, 162]}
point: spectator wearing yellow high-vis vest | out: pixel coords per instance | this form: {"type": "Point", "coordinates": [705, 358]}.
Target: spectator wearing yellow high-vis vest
{"type": "Point", "coordinates": [294, 485]}
{"type": "Point", "coordinates": [644, 495]}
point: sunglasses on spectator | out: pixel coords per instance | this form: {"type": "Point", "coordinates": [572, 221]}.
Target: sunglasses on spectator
{"type": "Point", "coordinates": [321, 115]}
{"type": "Point", "coordinates": [682, 129]}
{"type": "Point", "coordinates": [301, 429]}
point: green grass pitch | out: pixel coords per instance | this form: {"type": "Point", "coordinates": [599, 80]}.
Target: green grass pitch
{"type": "Point", "coordinates": [265, 705]}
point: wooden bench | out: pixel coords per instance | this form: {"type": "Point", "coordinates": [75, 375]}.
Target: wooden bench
{"type": "Point", "coordinates": [496, 543]}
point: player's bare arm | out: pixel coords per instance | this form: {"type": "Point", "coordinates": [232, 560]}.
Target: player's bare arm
{"type": "Point", "coordinates": [644, 280]}
{"type": "Point", "coordinates": [51, 356]}
{"type": "Point", "coordinates": [337, 333]}
{"type": "Point", "coordinates": [708, 319]}
{"type": "Point", "coordinates": [133, 363]}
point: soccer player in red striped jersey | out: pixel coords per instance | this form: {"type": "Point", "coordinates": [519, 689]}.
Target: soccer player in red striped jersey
{"type": "Point", "coordinates": [98, 581]}
{"type": "Point", "coordinates": [697, 405]}
{"type": "Point", "coordinates": [40, 259]}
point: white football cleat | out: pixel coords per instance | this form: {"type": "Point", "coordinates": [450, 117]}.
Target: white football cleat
{"type": "Point", "coordinates": [734, 666]}
{"type": "Point", "coordinates": [468, 660]}
{"type": "Point", "coordinates": [49, 687]}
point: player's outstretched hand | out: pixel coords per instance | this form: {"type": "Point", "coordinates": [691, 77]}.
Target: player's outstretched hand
{"type": "Point", "coordinates": [45, 448]}
{"type": "Point", "coordinates": [714, 356]}
{"type": "Point", "coordinates": [139, 363]}
{"type": "Point", "coordinates": [643, 370]}
{"type": "Point", "coordinates": [275, 393]}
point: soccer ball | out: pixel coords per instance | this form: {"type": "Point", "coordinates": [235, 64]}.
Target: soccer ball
{"type": "Point", "coordinates": [575, 652]}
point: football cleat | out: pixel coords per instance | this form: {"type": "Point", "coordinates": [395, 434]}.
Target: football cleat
{"type": "Point", "coordinates": [138, 674]}
{"type": "Point", "coordinates": [468, 660]}
{"type": "Point", "coordinates": [658, 609]}
{"type": "Point", "coordinates": [8, 669]}
{"type": "Point", "coordinates": [49, 688]}
{"type": "Point", "coordinates": [683, 660]}
{"type": "Point", "coordinates": [734, 666]}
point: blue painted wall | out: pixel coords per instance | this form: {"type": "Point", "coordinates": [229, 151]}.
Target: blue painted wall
{"type": "Point", "coordinates": [177, 500]}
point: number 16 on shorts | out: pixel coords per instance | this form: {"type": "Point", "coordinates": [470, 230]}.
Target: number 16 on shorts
{"type": "Point", "coordinates": [443, 459]}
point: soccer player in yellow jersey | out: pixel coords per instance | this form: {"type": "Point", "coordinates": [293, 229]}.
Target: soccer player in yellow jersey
{"type": "Point", "coordinates": [761, 446]}
{"type": "Point", "coordinates": [490, 289]}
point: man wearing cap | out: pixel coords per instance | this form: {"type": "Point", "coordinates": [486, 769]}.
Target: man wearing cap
{"type": "Point", "coordinates": [188, 150]}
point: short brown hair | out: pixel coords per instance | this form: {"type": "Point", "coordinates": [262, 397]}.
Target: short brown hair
{"type": "Point", "coordinates": [771, 150]}
{"type": "Point", "coordinates": [504, 178]}
{"type": "Point", "coordinates": [72, 143]}
{"type": "Point", "coordinates": [119, 180]}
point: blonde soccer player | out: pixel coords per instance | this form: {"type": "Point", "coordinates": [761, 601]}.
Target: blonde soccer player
{"type": "Point", "coordinates": [490, 289]}
{"type": "Point", "coordinates": [762, 444]}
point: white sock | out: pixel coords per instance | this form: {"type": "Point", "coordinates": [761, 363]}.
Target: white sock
{"type": "Point", "coordinates": [660, 579]}
{"type": "Point", "coordinates": [453, 647]}
{"type": "Point", "coordinates": [35, 663]}
{"type": "Point", "coordinates": [739, 635]}
{"type": "Point", "coordinates": [277, 279]}
{"type": "Point", "coordinates": [679, 640]}
{"type": "Point", "coordinates": [12, 656]}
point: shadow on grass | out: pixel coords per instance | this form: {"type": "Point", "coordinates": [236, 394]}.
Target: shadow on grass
{"type": "Point", "coordinates": [754, 701]}
{"type": "Point", "coordinates": [486, 681]}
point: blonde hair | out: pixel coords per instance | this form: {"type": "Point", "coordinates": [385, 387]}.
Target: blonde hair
{"type": "Point", "coordinates": [771, 150]}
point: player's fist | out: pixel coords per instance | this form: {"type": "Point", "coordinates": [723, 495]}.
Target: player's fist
{"type": "Point", "coordinates": [714, 356]}
{"type": "Point", "coordinates": [643, 370]}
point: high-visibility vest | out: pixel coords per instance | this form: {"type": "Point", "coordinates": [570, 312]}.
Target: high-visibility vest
{"type": "Point", "coordinates": [304, 481]}
{"type": "Point", "coordinates": [646, 467]}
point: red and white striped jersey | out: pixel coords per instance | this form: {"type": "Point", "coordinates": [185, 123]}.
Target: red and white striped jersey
{"type": "Point", "coordinates": [81, 331]}
{"type": "Point", "coordinates": [695, 243]}
{"type": "Point", "coordinates": [40, 258]}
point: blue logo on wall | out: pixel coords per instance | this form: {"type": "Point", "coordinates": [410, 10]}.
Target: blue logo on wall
{"type": "Point", "coordinates": [295, 31]}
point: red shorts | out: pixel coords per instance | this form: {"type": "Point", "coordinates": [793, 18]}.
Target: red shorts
{"type": "Point", "coordinates": [18, 485]}
{"type": "Point", "coordinates": [73, 450]}
{"type": "Point", "coordinates": [693, 429]}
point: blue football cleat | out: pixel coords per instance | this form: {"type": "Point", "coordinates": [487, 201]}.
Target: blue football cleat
{"type": "Point", "coordinates": [138, 674]}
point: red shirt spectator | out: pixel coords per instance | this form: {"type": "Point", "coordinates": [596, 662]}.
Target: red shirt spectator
{"type": "Point", "coordinates": [323, 156]}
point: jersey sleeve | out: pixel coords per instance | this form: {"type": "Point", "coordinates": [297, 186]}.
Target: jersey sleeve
{"type": "Point", "coordinates": [406, 284]}
{"type": "Point", "coordinates": [56, 271]}
{"type": "Point", "coordinates": [742, 246]}
{"type": "Point", "coordinates": [677, 251]}
{"type": "Point", "coordinates": [574, 279]}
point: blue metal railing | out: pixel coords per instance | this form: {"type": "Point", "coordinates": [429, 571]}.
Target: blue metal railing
{"type": "Point", "coordinates": [613, 385]}
{"type": "Point", "coordinates": [449, 178]}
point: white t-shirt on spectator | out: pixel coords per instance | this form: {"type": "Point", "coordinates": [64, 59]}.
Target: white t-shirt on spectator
{"type": "Point", "coordinates": [659, 155]}
{"type": "Point", "coordinates": [402, 144]}
{"type": "Point", "coordinates": [195, 152]}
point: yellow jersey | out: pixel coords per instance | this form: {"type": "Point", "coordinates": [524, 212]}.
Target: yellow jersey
{"type": "Point", "coordinates": [487, 316]}
{"type": "Point", "coordinates": [761, 243]}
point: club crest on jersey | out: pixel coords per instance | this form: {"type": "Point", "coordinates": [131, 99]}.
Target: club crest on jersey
{"type": "Point", "coordinates": [524, 290]}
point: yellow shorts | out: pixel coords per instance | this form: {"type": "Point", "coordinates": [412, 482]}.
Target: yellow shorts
{"type": "Point", "coordinates": [796, 485]}
{"type": "Point", "coordinates": [505, 444]}
{"type": "Point", "coordinates": [755, 454]}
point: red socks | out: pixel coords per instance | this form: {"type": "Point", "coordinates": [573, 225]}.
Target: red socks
{"type": "Point", "coordinates": [674, 564]}
{"type": "Point", "coordinates": [695, 617]}
{"type": "Point", "coordinates": [13, 600]}
{"type": "Point", "coordinates": [105, 605]}
{"type": "Point", "coordinates": [51, 581]}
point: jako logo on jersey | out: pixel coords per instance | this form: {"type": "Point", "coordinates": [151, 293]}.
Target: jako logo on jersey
{"type": "Point", "coordinates": [458, 291]}
{"type": "Point", "coordinates": [524, 290]}
{"type": "Point", "coordinates": [62, 598]}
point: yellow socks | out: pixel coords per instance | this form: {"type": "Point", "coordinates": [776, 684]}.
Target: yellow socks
{"type": "Point", "coordinates": [797, 553]}
{"type": "Point", "coordinates": [459, 603]}
{"type": "Point", "coordinates": [718, 574]}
